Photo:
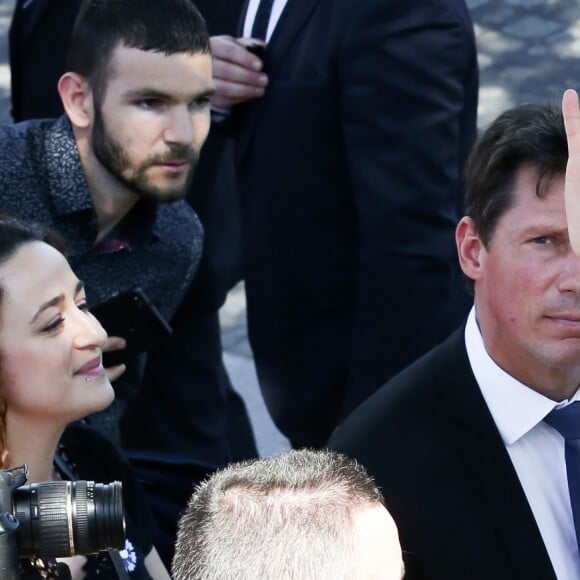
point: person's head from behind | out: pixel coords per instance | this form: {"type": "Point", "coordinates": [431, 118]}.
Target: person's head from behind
{"type": "Point", "coordinates": [313, 515]}
{"type": "Point", "coordinates": [137, 91]}
{"type": "Point", "coordinates": [50, 344]}
{"type": "Point", "coordinates": [514, 247]}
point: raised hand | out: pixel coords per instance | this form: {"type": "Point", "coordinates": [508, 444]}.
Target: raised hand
{"type": "Point", "coordinates": [114, 343]}
{"type": "Point", "coordinates": [571, 114]}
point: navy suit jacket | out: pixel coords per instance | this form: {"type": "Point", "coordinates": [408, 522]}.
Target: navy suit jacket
{"type": "Point", "coordinates": [350, 172]}
{"type": "Point", "coordinates": [428, 438]}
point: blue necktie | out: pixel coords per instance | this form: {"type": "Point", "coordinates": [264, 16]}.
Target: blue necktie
{"type": "Point", "coordinates": [260, 27]}
{"type": "Point", "coordinates": [566, 421]}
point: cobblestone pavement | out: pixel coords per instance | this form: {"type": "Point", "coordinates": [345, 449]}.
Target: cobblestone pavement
{"type": "Point", "coordinates": [529, 51]}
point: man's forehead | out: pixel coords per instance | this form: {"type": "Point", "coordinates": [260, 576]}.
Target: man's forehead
{"type": "Point", "coordinates": [530, 186]}
{"type": "Point", "coordinates": [183, 71]}
{"type": "Point", "coordinates": [534, 212]}
{"type": "Point", "coordinates": [128, 57]}
{"type": "Point", "coordinates": [538, 177]}
{"type": "Point", "coordinates": [123, 52]}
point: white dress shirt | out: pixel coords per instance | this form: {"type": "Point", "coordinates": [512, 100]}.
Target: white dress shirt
{"type": "Point", "coordinates": [277, 8]}
{"type": "Point", "coordinates": [535, 448]}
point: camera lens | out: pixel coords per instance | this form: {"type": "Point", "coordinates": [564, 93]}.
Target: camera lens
{"type": "Point", "coordinates": [64, 518]}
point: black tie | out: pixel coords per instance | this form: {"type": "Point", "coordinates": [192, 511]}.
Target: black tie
{"type": "Point", "coordinates": [566, 421]}
{"type": "Point", "coordinates": [260, 27]}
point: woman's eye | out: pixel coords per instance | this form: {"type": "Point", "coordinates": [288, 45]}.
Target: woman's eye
{"type": "Point", "coordinates": [83, 306]}
{"type": "Point", "coordinates": [54, 325]}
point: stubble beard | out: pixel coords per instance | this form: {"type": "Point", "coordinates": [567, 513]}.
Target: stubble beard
{"type": "Point", "coordinates": [116, 161]}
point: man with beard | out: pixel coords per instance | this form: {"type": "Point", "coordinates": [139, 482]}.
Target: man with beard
{"type": "Point", "coordinates": [111, 174]}
{"type": "Point", "coordinates": [178, 435]}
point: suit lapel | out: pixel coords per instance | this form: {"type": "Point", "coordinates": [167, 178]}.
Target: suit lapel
{"type": "Point", "coordinates": [488, 463]}
{"type": "Point", "coordinates": [293, 18]}
{"type": "Point", "coordinates": [295, 15]}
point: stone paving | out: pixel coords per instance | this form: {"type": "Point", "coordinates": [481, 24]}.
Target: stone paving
{"type": "Point", "coordinates": [529, 51]}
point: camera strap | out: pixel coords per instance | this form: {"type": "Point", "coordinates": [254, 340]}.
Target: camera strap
{"type": "Point", "coordinates": [62, 466]}
{"type": "Point", "coordinates": [118, 564]}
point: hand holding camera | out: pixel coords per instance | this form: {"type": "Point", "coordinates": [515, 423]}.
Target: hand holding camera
{"type": "Point", "coordinates": [55, 519]}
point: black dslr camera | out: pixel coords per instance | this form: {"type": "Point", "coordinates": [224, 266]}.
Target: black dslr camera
{"type": "Point", "coordinates": [56, 519]}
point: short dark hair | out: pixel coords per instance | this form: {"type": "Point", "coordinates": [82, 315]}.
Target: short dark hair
{"type": "Point", "coordinates": [15, 232]}
{"type": "Point", "coordinates": [286, 516]}
{"type": "Point", "coordinates": [167, 26]}
{"type": "Point", "coordinates": [527, 135]}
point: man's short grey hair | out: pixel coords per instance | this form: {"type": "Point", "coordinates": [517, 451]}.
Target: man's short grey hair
{"type": "Point", "coordinates": [290, 516]}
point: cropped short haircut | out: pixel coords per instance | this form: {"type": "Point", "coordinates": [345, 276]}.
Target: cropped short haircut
{"type": "Point", "coordinates": [290, 516]}
{"type": "Point", "coordinates": [166, 26]}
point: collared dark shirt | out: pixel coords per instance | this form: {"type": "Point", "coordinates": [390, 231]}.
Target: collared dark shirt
{"type": "Point", "coordinates": [155, 247]}
{"type": "Point", "coordinates": [135, 230]}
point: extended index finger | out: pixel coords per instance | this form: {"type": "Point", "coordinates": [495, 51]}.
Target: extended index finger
{"type": "Point", "coordinates": [571, 114]}
{"type": "Point", "coordinates": [114, 343]}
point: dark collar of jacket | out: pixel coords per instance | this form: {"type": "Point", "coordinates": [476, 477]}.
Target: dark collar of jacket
{"type": "Point", "coordinates": [429, 439]}
{"type": "Point", "coordinates": [485, 460]}
{"type": "Point", "coordinates": [67, 182]}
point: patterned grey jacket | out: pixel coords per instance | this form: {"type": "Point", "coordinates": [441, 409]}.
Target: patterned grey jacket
{"type": "Point", "coordinates": [42, 180]}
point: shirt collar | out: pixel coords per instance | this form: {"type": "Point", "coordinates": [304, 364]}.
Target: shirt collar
{"type": "Point", "coordinates": [136, 230]}
{"type": "Point", "coordinates": [515, 408]}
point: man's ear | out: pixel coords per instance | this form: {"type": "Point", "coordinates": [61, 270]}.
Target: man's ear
{"type": "Point", "coordinates": [77, 99]}
{"type": "Point", "coordinates": [470, 248]}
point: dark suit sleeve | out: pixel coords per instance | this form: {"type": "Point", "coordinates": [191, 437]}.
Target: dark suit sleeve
{"type": "Point", "coordinates": [39, 41]}
{"type": "Point", "coordinates": [408, 77]}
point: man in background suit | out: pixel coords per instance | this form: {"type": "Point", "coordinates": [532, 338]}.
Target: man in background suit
{"type": "Point", "coordinates": [347, 216]}
{"type": "Point", "coordinates": [187, 421]}
{"type": "Point", "coordinates": [463, 442]}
